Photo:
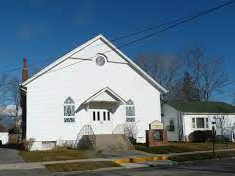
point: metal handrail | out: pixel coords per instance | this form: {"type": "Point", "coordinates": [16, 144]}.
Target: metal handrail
{"type": "Point", "coordinates": [86, 130]}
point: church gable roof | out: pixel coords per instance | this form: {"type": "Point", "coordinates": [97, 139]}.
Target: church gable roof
{"type": "Point", "coordinates": [113, 48]}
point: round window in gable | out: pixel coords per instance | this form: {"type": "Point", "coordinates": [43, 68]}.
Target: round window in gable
{"type": "Point", "coordinates": [100, 60]}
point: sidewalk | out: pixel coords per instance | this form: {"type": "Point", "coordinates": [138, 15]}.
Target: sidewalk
{"type": "Point", "coordinates": [197, 152]}
{"type": "Point", "coordinates": [121, 160]}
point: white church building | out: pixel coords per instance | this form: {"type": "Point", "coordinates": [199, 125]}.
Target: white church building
{"type": "Point", "coordinates": [94, 89]}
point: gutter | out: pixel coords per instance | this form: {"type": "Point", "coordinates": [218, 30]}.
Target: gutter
{"type": "Point", "coordinates": [22, 88]}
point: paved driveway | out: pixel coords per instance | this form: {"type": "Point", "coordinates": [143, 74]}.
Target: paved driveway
{"type": "Point", "coordinates": [9, 156]}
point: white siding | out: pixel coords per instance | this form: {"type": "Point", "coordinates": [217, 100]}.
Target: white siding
{"type": "Point", "coordinates": [169, 113]}
{"type": "Point", "coordinates": [4, 137]}
{"type": "Point", "coordinates": [47, 93]}
{"type": "Point", "coordinates": [229, 121]}
{"type": "Point", "coordinates": [183, 123]}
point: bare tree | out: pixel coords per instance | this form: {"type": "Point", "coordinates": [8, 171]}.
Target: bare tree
{"type": "Point", "coordinates": [207, 72]}
{"type": "Point", "coordinates": [165, 69]}
{"type": "Point", "coordinates": [14, 91]}
{"type": "Point", "coordinates": [194, 58]}
{"type": "Point", "coordinates": [224, 125]}
{"type": "Point", "coordinates": [131, 130]}
{"type": "Point", "coordinates": [3, 88]}
{"type": "Point", "coordinates": [214, 78]}
{"type": "Point", "coordinates": [14, 96]}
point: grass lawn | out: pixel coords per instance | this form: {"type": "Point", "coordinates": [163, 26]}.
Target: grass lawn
{"type": "Point", "coordinates": [80, 166]}
{"type": "Point", "coordinates": [202, 156]}
{"type": "Point", "coordinates": [56, 155]}
{"type": "Point", "coordinates": [174, 147]}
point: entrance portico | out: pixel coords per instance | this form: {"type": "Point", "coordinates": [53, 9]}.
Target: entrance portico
{"type": "Point", "coordinates": [101, 109]}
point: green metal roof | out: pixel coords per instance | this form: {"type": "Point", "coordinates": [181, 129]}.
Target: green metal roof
{"type": "Point", "coordinates": [202, 107]}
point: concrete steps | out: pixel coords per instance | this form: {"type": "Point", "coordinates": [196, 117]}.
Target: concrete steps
{"type": "Point", "coordinates": [112, 142]}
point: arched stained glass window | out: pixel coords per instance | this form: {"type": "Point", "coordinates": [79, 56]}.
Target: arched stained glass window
{"type": "Point", "coordinates": [130, 111]}
{"type": "Point", "coordinates": [69, 101]}
{"type": "Point", "coordinates": [69, 107]}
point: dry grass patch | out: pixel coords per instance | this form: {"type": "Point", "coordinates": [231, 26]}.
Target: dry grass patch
{"type": "Point", "coordinates": [202, 156]}
{"type": "Point", "coordinates": [56, 155]}
{"type": "Point", "coordinates": [173, 147]}
{"type": "Point", "coordinates": [80, 166]}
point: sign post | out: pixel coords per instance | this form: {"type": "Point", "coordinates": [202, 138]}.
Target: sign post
{"type": "Point", "coordinates": [213, 142]}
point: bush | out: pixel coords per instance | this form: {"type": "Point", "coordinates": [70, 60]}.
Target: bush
{"type": "Point", "coordinates": [201, 136]}
{"type": "Point", "coordinates": [27, 144]}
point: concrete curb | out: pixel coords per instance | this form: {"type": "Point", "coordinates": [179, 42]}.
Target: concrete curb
{"type": "Point", "coordinates": [140, 159]}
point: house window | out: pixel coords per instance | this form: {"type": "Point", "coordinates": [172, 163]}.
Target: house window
{"type": "Point", "coordinates": [69, 110]}
{"type": "Point", "coordinates": [171, 126]}
{"type": "Point", "coordinates": [104, 116]}
{"type": "Point", "coordinates": [200, 123]}
{"type": "Point", "coordinates": [219, 122]}
{"type": "Point", "coordinates": [207, 123]}
{"type": "Point", "coordinates": [130, 111]}
{"type": "Point", "coordinates": [193, 123]}
{"type": "Point", "coordinates": [108, 116]}
{"type": "Point", "coordinates": [48, 144]}
{"type": "Point", "coordinates": [93, 115]}
{"type": "Point", "coordinates": [98, 116]}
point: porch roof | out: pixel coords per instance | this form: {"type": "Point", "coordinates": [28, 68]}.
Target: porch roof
{"type": "Point", "coordinates": [105, 95]}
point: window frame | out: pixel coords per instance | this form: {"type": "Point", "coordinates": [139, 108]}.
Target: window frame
{"type": "Point", "coordinates": [202, 120]}
{"type": "Point", "coordinates": [130, 111]}
{"type": "Point", "coordinates": [205, 121]}
{"type": "Point", "coordinates": [69, 103]}
{"type": "Point", "coordinates": [193, 122]}
{"type": "Point", "coordinates": [171, 125]}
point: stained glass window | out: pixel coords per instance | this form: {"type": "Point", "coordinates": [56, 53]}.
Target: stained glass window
{"type": "Point", "coordinates": [69, 109]}
{"type": "Point", "coordinates": [130, 111]}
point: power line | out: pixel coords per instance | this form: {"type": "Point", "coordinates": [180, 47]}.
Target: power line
{"type": "Point", "coordinates": [183, 21]}
{"type": "Point", "coordinates": [175, 22]}
{"type": "Point", "coordinates": [202, 13]}
{"type": "Point", "coordinates": [199, 14]}
{"type": "Point", "coordinates": [119, 38]}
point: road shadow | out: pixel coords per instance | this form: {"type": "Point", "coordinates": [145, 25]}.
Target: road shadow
{"type": "Point", "coordinates": [12, 146]}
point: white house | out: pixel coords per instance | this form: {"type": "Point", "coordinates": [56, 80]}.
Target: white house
{"type": "Point", "coordinates": [4, 138]}
{"type": "Point", "coordinates": [4, 135]}
{"type": "Point", "coordinates": [181, 118]}
{"type": "Point", "coordinates": [95, 88]}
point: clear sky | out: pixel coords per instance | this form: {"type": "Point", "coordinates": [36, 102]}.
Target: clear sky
{"type": "Point", "coordinates": [46, 29]}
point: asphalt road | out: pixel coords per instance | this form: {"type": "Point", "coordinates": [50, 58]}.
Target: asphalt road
{"type": "Point", "coordinates": [215, 168]}
{"type": "Point", "coordinates": [203, 168]}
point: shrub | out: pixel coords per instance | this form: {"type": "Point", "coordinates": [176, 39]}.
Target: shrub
{"type": "Point", "coordinates": [201, 136]}
{"type": "Point", "coordinates": [27, 144]}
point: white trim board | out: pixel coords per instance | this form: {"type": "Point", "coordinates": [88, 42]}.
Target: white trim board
{"type": "Point", "coordinates": [71, 53]}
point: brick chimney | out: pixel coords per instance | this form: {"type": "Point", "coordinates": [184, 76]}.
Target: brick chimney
{"type": "Point", "coordinates": [25, 70]}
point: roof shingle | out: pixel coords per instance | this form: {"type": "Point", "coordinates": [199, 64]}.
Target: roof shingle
{"type": "Point", "coordinates": [202, 107]}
